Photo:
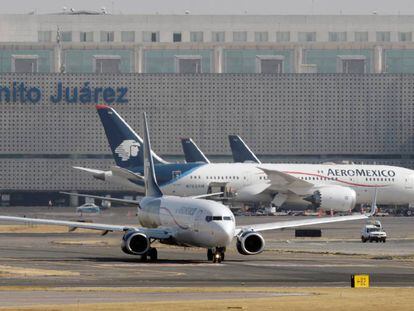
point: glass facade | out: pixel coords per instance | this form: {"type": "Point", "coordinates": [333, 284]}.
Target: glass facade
{"type": "Point", "coordinates": [327, 61]}
{"type": "Point", "coordinates": [44, 59]}
{"type": "Point", "coordinates": [165, 61]}
{"type": "Point", "coordinates": [399, 61]}
{"type": "Point", "coordinates": [245, 61]}
{"type": "Point", "coordinates": [82, 61]}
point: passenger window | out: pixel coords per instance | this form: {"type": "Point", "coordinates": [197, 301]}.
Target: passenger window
{"type": "Point", "coordinates": [209, 218]}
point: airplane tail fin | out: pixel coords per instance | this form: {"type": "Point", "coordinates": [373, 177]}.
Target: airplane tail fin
{"type": "Point", "coordinates": [126, 145]}
{"type": "Point", "coordinates": [191, 151]}
{"type": "Point", "coordinates": [151, 186]}
{"type": "Point", "coordinates": [241, 152]}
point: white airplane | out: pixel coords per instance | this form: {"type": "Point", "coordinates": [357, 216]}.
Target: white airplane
{"type": "Point", "coordinates": [184, 221]}
{"type": "Point", "coordinates": [326, 186]}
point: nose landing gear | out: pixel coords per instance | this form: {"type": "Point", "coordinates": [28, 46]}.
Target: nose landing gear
{"type": "Point", "coordinates": [152, 254]}
{"type": "Point", "coordinates": [216, 255]}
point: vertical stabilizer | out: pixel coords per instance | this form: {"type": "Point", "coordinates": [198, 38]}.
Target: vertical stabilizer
{"type": "Point", "coordinates": [126, 145]}
{"type": "Point", "coordinates": [240, 151]}
{"type": "Point", "coordinates": [151, 186]}
{"type": "Point", "coordinates": [191, 151]}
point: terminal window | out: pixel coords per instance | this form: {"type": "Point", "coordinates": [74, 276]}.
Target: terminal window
{"type": "Point", "coordinates": [307, 36]}
{"type": "Point", "coordinates": [148, 36]}
{"type": "Point", "coordinates": [86, 36]}
{"type": "Point", "coordinates": [24, 63]}
{"type": "Point", "coordinates": [66, 36]}
{"type": "Point", "coordinates": [269, 64]}
{"type": "Point", "coordinates": [188, 64]}
{"type": "Point", "coordinates": [196, 36]}
{"type": "Point", "coordinates": [282, 36]}
{"type": "Point", "coordinates": [217, 36]}
{"type": "Point", "coordinates": [127, 36]}
{"type": "Point", "coordinates": [361, 36]}
{"type": "Point", "coordinates": [107, 36]}
{"type": "Point", "coordinates": [351, 64]}
{"type": "Point", "coordinates": [107, 64]}
{"type": "Point", "coordinates": [337, 36]}
{"type": "Point", "coordinates": [177, 37]}
{"type": "Point", "coordinates": [261, 36]}
{"type": "Point", "coordinates": [44, 36]}
{"type": "Point", "coordinates": [405, 36]}
{"type": "Point", "coordinates": [383, 36]}
{"type": "Point", "coordinates": [239, 36]}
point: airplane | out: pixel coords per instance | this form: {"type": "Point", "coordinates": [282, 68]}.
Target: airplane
{"type": "Point", "coordinates": [330, 187]}
{"type": "Point", "coordinates": [192, 153]}
{"type": "Point", "coordinates": [187, 222]}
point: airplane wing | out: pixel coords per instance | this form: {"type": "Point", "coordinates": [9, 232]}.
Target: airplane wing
{"type": "Point", "coordinates": [122, 201]}
{"type": "Point", "coordinates": [280, 181]}
{"type": "Point", "coordinates": [298, 223]}
{"type": "Point", "coordinates": [158, 233]}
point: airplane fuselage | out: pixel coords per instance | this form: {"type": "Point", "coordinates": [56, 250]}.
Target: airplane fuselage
{"type": "Point", "coordinates": [395, 184]}
{"type": "Point", "coordinates": [200, 223]}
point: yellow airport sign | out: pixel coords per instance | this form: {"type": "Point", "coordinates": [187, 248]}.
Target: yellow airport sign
{"type": "Point", "coordinates": [360, 280]}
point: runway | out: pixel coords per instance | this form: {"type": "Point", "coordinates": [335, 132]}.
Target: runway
{"type": "Point", "coordinates": [30, 257]}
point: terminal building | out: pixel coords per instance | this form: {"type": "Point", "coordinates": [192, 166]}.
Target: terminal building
{"type": "Point", "coordinates": [296, 88]}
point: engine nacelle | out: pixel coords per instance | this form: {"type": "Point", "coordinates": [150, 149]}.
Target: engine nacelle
{"type": "Point", "coordinates": [135, 243]}
{"type": "Point", "coordinates": [336, 198]}
{"type": "Point", "coordinates": [250, 243]}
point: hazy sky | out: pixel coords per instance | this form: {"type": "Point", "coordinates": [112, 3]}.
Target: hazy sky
{"type": "Point", "coordinates": [215, 6]}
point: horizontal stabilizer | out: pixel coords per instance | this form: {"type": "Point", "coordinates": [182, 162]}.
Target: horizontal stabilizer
{"type": "Point", "coordinates": [124, 173]}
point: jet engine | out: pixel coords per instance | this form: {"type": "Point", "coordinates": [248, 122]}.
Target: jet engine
{"type": "Point", "coordinates": [135, 243]}
{"type": "Point", "coordinates": [336, 198]}
{"type": "Point", "coordinates": [250, 243]}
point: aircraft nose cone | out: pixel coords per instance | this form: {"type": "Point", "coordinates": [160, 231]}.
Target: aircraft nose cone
{"type": "Point", "coordinates": [225, 233]}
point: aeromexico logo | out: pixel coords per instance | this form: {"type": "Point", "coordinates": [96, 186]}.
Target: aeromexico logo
{"type": "Point", "coordinates": [361, 172]}
{"type": "Point", "coordinates": [127, 149]}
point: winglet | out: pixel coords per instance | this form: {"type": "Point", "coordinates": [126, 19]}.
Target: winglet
{"type": "Point", "coordinates": [151, 186]}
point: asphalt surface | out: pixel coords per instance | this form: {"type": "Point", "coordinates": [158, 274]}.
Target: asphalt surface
{"type": "Point", "coordinates": [88, 259]}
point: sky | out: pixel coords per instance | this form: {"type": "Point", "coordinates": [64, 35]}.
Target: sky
{"type": "Point", "coordinates": [284, 7]}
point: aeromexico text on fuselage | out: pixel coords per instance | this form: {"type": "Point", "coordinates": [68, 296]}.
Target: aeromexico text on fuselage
{"type": "Point", "coordinates": [169, 173]}
{"type": "Point", "coordinates": [361, 173]}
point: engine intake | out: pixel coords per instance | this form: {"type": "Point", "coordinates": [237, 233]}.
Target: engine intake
{"type": "Point", "coordinates": [250, 243]}
{"type": "Point", "coordinates": [135, 243]}
{"type": "Point", "coordinates": [335, 198]}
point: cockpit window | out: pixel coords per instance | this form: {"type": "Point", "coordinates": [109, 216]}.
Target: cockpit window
{"type": "Point", "coordinates": [217, 218]}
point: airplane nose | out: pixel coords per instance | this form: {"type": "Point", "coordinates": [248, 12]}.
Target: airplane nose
{"type": "Point", "coordinates": [225, 233]}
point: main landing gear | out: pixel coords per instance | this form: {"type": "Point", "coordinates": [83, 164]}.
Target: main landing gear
{"type": "Point", "coordinates": [216, 255]}
{"type": "Point", "coordinates": [152, 253]}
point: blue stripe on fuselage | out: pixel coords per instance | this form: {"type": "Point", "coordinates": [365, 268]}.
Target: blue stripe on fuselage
{"type": "Point", "coordinates": [164, 172]}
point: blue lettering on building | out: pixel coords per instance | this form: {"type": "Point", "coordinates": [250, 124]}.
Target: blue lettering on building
{"type": "Point", "coordinates": [19, 92]}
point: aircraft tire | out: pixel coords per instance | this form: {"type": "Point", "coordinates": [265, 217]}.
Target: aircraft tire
{"type": "Point", "coordinates": [209, 254]}
{"type": "Point", "coordinates": [153, 254]}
